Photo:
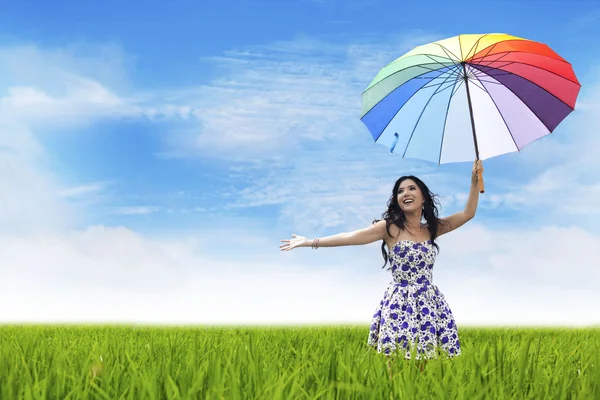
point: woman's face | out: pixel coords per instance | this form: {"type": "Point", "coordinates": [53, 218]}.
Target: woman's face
{"type": "Point", "coordinates": [409, 196]}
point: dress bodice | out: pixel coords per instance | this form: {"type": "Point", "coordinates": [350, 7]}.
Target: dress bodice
{"type": "Point", "coordinates": [412, 262]}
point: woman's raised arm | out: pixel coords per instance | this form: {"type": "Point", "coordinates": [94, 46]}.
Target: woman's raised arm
{"type": "Point", "coordinates": [457, 220]}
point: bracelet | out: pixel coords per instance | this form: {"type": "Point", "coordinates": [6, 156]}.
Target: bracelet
{"type": "Point", "coordinates": [315, 244]}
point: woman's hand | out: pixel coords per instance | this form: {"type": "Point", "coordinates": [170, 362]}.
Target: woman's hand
{"type": "Point", "coordinates": [297, 241]}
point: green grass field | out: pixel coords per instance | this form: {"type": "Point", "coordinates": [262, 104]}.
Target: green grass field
{"type": "Point", "coordinates": [109, 362]}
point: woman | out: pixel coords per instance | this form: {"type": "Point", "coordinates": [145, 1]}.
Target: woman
{"type": "Point", "coordinates": [413, 314]}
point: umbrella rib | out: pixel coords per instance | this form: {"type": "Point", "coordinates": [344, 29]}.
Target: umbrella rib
{"type": "Point", "coordinates": [472, 81]}
{"type": "Point", "coordinates": [475, 46]}
{"type": "Point", "coordinates": [478, 74]}
{"type": "Point", "coordinates": [506, 64]}
{"type": "Point", "coordinates": [481, 80]}
{"type": "Point", "coordinates": [430, 56]}
{"type": "Point", "coordinates": [415, 55]}
{"type": "Point", "coordinates": [430, 69]}
{"type": "Point", "coordinates": [489, 48]}
{"type": "Point", "coordinates": [460, 82]}
{"type": "Point", "coordinates": [497, 60]}
{"type": "Point", "coordinates": [501, 55]}
{"type": "Point", "coordinates": [479, 60]}
{"type": "Point", "coordinates": [448, 86]}
{"type": "Point", "coordinates": [428, 85]}
{"type": "Point", "coordinates": [502, 116]}
{"type": "Point", "coordinates": [419, 119]}
{"type": "Point", "coordinates": [440, 90]}
{"type": "Point", "coordinates": [446, 120]}
{"type": "Point", "coordinates": [449, 53]}
{"type": "Point", "coordinates": [402, 58]}
{"type": "Point", "coordinates": [476, 84]}
{"type": "Point", "coordinates": [411, 96]}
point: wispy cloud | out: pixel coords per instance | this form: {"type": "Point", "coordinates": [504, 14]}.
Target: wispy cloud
{"type": "Point", "coordinates": [29, 194]}
{"type": "Point", "coordinates": [39, 89]}
{"type": "Point", "coordinates": [74, 85]}
{"type": "Point", "coordinates": [584, 22]}
{"type": "Point", "coordinates": [272, 99]}
{"type": "Point", "coordinates": [135, 210]}
{"type": "Point", "coordinates": [62, 85]}
{"type": "Point", "coordinates": [84, 190]}
{"type": "Point", "coordinates": [45, 90]}
{"type": "Point", "coordinates": [293, 107]}
{"type": "Point", "coordinates": [146, 210]}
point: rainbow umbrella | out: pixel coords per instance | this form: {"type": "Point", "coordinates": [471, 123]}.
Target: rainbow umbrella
{"type": "Point", "coordinates": [469, 97]}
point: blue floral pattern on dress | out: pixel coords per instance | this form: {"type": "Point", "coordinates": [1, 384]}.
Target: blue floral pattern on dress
{"type": "Point", "coordinates": [414, 313]}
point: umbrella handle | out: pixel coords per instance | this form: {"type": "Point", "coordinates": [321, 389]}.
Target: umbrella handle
{"type": "Point", "coordinates": [480, 181]}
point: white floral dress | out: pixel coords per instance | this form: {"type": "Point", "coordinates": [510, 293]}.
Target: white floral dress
{"type": "Point", "coordinates": [413, 311]}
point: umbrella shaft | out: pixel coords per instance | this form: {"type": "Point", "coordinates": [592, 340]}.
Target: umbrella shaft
{"type": "Point", "coordinates": [470, 110]}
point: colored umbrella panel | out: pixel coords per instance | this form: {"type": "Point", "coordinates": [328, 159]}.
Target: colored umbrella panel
{"type": "Point", "coordinates": [416, 68]}
{"type": "Point", "coordinates": [519, 90]}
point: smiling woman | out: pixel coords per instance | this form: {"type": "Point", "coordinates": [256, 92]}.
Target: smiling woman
{"type": "Point", "coordinates": [413, 312]}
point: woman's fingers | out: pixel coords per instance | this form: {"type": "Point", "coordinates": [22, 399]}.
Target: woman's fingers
{"type": "Point", "coordinates": [287, 243]}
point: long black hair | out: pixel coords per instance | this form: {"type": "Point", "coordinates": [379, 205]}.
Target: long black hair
{"type": "Point", "coordinates": [394, 214]}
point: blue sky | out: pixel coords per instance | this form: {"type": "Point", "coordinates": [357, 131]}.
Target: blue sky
{"type": "Point", "coordinates": [207, 133]}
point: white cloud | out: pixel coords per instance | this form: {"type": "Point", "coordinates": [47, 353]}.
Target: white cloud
{"type": "Point", "coordinates": [289, 113]}
{"type": "Point", "coordinates": [74, 85]}
{"type": "Point", "coordinates": [43, 91]}
{"type": "Point", "coordinates": [550, 254]}
{"type": "Point", "coordinates": [84, 190]}
{"type": "Point", "coordinates": [29, 197]}
{"type": "Point", "coordinates": [40, 89]}
{"type": "Point", "coordinates": [520, 276]}
{"type": "Point", "coordinates": [273, 99]}
{"type": "Point", "coordinates": [232, 275]}
{"type": "Point", "coordinates": [115, 275]}
{"type": "Point", "coordinates": [62, 86]}
{"type": "Point", "coordinates": [136, 210]}
{"type": "Point", "coordinates": [83, 100]}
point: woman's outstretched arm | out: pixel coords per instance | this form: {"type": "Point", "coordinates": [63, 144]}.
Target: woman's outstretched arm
{"type": "Point", "coordinates": [367, 235]}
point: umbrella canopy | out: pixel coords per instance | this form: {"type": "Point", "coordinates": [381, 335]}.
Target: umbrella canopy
{"type": "Point", "coordinates": [469, 97]}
